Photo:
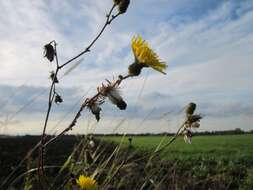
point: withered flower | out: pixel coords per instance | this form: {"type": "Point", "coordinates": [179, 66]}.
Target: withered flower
{"type": "Point", "coordinates": [49, 52]}
{"type": "Point", "coordinates": [95, 109]}
{"type": "Point", "coordinates": [115, 98]}
{"type": "Point", "coordinates": [123, 5]}
{"type": "Point", "coordinates": [112, 92]}
{"type": "Point", "coordinates": [53, 77]}
{"type": "Point", "coordinates": [58, 99]}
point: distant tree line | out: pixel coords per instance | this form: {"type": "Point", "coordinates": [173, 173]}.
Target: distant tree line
{"type": "Point", "coordinates": [236, 131]}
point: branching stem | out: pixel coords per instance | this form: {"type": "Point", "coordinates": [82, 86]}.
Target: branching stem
{"type": "Point", "coordinates": [52, 91]}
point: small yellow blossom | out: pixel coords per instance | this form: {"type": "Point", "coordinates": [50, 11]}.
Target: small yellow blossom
{"type": "Point", "coordinates": [146, 56]}
{"type": "Point", "coordinates": [87, 183]}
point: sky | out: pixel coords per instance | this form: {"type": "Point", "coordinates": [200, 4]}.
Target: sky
{"type": "Point", "coordinates": [207, 45]}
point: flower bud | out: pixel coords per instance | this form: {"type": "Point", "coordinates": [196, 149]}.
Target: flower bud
{"type": "Point", "coordinates": [190, 108]}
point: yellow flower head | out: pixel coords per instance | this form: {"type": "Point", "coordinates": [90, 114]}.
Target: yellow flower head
{"type": "Point", "coordinates": [146, 56]}
{"type": "Point", "coordinates": [86, 183]}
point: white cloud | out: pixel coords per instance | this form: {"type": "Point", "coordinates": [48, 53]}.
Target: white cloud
{"type": "Point", "coordinates": [209, 54]}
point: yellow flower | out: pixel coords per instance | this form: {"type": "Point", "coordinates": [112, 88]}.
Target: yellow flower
{"type": "Point", "coordinates": [146, 56]}
{"type": "Point", "coordinates": [86, 183]}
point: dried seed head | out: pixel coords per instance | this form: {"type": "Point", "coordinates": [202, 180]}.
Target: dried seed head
{"type": "Point", "coordinates": [111, 91]}
{"type": "Point", "coordinates": [123, 5]}
{"type": "Point", "coordinates": [49, 52]}
{"type": "Point", "coordinates": [190, 108]}
{"type": "Point", "coordinates": [53, 77]}
{"type": "Point", "coordinates": [121, 105]}
{"type": "Point", "coordinates": [58, 99]}
{"type": "Point", "coordinates": [114, 96]}
{"type": "Point", "coordinates": [135, 69]}
{"type": "Point", "coordinates": [95, 109]}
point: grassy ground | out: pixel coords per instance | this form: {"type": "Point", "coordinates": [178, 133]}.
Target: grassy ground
{"type": "Point", "coordinates": [210, 162]}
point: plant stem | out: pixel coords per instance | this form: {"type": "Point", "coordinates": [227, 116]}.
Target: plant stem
{"type": "Point", "coordinates": [109, 19]}
{"type": "Point", "coordinates": [78, 114]}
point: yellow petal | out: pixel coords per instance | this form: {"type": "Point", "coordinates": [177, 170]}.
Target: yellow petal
{"type": "Point", "coordinates": [146, 55]}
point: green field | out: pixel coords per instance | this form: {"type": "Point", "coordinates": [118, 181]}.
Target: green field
{"type": "Point", "coordinates": [216, 162]}
{"type": "Point", "coordinates": [227, 146]}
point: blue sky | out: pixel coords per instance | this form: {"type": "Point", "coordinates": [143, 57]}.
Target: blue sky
{"type": "Point", "coordinates": [207, 44]}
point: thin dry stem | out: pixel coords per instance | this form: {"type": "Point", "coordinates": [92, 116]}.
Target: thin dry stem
{"type": "Point", "coordinates": [52, 91]}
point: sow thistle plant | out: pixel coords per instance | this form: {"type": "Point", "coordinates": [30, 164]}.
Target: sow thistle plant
{"type": "Point", "coordinates": [144, 57]}
{"type": "Point", "coordinates": [50, 52]}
